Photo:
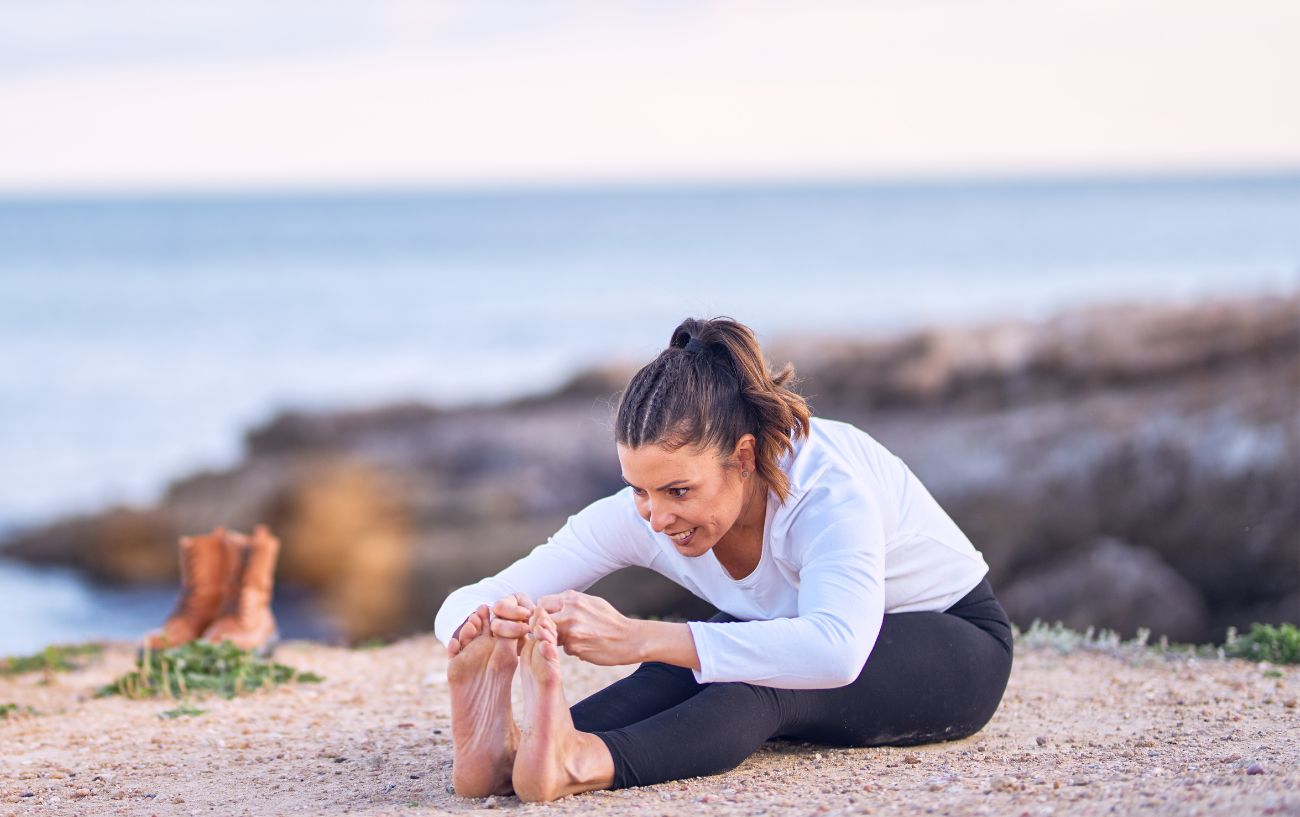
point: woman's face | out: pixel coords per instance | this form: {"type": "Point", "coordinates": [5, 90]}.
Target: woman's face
{"type": "Point", "coordinates": [689, 494]}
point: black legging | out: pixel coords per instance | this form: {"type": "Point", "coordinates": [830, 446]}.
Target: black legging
{"type": "Point", "coordinates": [930, 677]}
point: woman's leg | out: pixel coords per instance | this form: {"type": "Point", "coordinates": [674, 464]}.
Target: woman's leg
{"type": "Point", "coordinates": [930, 677]}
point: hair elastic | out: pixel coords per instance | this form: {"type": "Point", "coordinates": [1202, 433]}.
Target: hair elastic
{"type": "Point", "coordinates": [695, 345]}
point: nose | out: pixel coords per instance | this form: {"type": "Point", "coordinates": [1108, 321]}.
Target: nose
{"type": "Point", "coordinates": [659, 519]}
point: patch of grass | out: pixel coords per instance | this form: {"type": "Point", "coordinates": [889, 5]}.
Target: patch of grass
{"type": "Point", "coordinates": [1277, 645]}
{"type": "Point", "coordinates": [1264, 642]}
{"type": "Point", "coordinates": [183, 711]}
{"type": "Point", "coordinates": [54, 658]}
{"type": "Point", "coordinates": [8, 711]}
{"type": "Point", "coordinates": [1065, 640]}
{"type": "Point", "coordinates": [201, 668]}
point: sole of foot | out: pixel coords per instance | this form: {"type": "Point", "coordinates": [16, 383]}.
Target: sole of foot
{"type": "Point", "coordinates": [553, 760]}
{"type": "Point", "coordinates": [483, 730]}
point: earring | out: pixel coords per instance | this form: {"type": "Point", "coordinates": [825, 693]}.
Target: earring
{"type": "Point", "coordinates": [744, 475]}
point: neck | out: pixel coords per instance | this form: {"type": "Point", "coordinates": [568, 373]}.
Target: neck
{"type": "Point", "coordinates": [754, 512]}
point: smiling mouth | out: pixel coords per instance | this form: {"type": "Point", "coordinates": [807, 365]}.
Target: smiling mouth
{"type": "Point", "coordinates": [680, 538]}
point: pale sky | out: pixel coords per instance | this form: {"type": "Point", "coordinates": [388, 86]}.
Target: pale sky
{"type": "Point", "coordinates": [133, 95]}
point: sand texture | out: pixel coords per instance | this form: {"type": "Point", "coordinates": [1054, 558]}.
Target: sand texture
{"type": "Point", "coordinates": [1084, 733]}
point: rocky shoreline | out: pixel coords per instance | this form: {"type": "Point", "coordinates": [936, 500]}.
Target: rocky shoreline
{"type": "Point", "coordinates": [1123, 467]}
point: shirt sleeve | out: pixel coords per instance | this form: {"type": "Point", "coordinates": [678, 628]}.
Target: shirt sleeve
{"type": "Point", "coordinates": [596, 541]}
{"type": "Point", "coordinates": [841, 603]}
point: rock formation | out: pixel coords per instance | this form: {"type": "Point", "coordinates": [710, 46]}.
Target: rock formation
{"type": "Point", "coordinates": [1172, 429]}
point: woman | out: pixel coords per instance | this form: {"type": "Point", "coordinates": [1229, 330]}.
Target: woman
{"type": "Point", "coordinates": [855, 612]}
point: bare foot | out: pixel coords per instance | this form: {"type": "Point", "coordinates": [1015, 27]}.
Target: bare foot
{"type": "Point", "coordinates": [553, 759]}
{"type": "Point", "coordinates": [483, 731]}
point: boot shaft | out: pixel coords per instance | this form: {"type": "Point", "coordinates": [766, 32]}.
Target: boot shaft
{"type": "Point", "coordinates": [246, 618]}
{"type": "Point", "coordinates": [204, 566]}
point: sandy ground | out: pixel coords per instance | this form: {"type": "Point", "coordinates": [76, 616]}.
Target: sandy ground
{"type": "Point", "coordinates": [1084, 733]}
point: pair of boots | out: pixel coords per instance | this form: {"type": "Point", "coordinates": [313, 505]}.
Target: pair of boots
{"type": "Point", "coordinates": [226, 581]}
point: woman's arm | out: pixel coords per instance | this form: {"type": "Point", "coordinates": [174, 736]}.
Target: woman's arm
{"type": "Point", "coordinates": [591, 629]}
{"type": "Point", "coordinates": [840, 610]}
{"type": "Point", "coordinates": [668, 643]}
{"type": "Point", "coordinates": [593, 543]}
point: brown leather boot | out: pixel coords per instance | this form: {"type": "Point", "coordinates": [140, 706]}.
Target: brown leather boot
{"type": "Point", "coordinates": [203, 572]}
{"type": "Point", "coordinates": [246, 619]}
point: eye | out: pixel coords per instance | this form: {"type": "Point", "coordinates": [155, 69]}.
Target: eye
{"type": "Point", "coordinates": [637, 492]}
{"type": "Point", "coordinates": [673, 492]}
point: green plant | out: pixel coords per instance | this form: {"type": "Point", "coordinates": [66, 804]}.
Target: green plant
{"type": "Point", "coordinates": [54, 658]}
{"type": "Point", "coordinates": [1064, 640]}
{"type": "Point", "coordinates": [1265, 642]}
{"type": "Point", "coordinates": [12, 710]}
{"type": "Point", "coordinates": [199, 667]}
{"type": "Point", "coordinates": [184, 710]}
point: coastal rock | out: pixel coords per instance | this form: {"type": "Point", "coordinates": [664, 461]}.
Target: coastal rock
{"type": "Point", "coordinates": [1175, 428]}
{"type": "Point", "coordinates": [1110, 586]}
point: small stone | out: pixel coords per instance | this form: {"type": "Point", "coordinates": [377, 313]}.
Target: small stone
{"type": "Point", "coordinates": [81, 793]}
{"type": "Point", "coordinates": [910, 758]}
{"type": "Point", "coordinates": [1041, 740]}
{"type": "Point", "coordinates": [1254, 768]}
{"type": "Point", "coordinates": [451, 790]}
{"type": "Point", "coordinates": [491, 802]}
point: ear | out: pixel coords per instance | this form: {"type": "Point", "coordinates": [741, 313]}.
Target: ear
{"type": "Point", "coordinates": [744, 452]}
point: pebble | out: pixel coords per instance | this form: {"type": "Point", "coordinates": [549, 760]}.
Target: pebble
{"type": "Point", "coordinates": [1042, 741]}
{"type": "Point", "coordinates": [81, 793]}
{"type": "Point", "coordinates": [910, 758]}
{"type": "Point", "coordinates": [491, 802]}
{"type": "Point", "coordinates": [1254, 768]}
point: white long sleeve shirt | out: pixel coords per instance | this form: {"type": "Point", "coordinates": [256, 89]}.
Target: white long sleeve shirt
{"type": "Point", "coordinates": [858, 536]}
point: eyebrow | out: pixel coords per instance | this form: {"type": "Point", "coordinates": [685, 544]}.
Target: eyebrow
{"type": "Point", "coordinates": [661, 487]}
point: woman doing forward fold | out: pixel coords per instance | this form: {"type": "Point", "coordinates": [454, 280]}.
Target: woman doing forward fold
{"type": "Point", "coordinates": [854, 611]}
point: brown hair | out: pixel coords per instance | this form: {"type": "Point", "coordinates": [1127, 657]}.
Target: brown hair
{"type": "Point", "coordinates": [710, 387]}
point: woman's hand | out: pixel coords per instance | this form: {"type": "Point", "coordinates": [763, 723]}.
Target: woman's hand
{"type": "Point", "coordinates": [510, 616]}
{"type": "Point", "coordinates": [591, 629]}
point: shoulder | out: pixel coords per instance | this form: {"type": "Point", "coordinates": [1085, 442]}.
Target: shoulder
{"type": "Point", "coordinates": [833, 455]}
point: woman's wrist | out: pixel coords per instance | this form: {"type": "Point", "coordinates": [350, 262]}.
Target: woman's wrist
{"type": "Point", "coordinates": [667, 642]}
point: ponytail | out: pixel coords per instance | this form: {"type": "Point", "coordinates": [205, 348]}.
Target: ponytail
{"type": "Point", "coordinates": [709, 388]}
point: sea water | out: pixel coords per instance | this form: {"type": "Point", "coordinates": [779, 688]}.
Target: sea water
{"type": "Point", "coordinates": [140, 337]}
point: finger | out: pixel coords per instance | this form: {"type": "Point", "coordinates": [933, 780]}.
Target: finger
{"type": "Point", "coordinates": [509, 607]}
{"type": "Point", "coordinates": [551, 604]}
{"type": "Point", "coordinates": [523, 600]}
{"type": "Point", "coordinates": [453, 647]}
{"type": "Point", "coordinates": [506, 628]}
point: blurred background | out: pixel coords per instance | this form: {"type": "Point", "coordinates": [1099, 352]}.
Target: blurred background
{"type": "Point", "coordinates": [375, 272]}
